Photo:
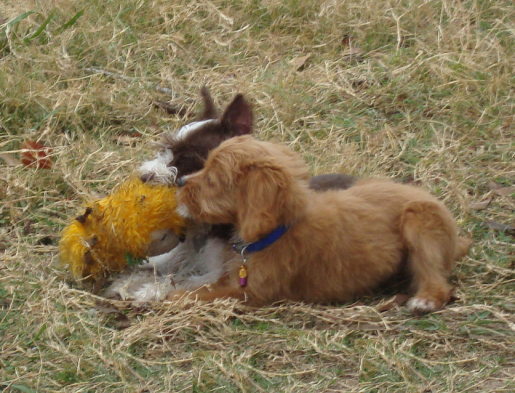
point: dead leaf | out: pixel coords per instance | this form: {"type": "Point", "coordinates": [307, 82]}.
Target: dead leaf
{"type": "Point", "coordinates": [9, 159]}
{"type": "Point", "coordinates": [99, 284]}
{"type": "Point", "coordinates": [36, 155]}
{"type": "Point", "coordinates": [347, 40]}
{"type": "Point", "coordinates": [497, 226]}
{"type": "Point", "coordinates": [494, 185]}
{"type": "Point", "coordinates": [397, 301]}
{"type": "Point", "coordinates": [482, 204]}
{"type": "Point", "coordinates": [120, 322]}
{"type": "Point", "coordinates": [353, 54]}
{"type": "Point", "coordinates": [300, 61]}
{"type": "Point", "coordinates": [105, 307]}
{"type": "Point", "coordinates": [46, 241]}
{"type": "Point", "coordinates": [116, 318]}
{"type": "Point", "coordinates": [505, 191]}
{"type": "Point", "coordinates": [401, 97]}
{"type": "Point", "coordinates": [27, 227]}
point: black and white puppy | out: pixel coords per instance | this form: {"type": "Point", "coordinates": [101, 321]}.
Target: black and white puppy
{"type": "Point", "coordinates": [185, 151]}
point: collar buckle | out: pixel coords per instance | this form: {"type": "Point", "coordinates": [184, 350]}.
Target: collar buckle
{"type": "Point", "coordinates": [243, 253]}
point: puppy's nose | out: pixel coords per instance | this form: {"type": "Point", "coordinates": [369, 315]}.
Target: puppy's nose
{"type": "Point", "coordinates": [182, 181]}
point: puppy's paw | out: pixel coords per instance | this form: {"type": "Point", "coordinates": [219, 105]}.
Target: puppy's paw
{"type": "Point", "coordinates": [420, 306]}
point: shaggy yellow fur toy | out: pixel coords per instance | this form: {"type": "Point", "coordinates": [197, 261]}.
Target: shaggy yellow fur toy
{"type": "Point", "coordinates": [137, 220]}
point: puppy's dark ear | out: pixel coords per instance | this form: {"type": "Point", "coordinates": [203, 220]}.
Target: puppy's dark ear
{"type": "Point", "coordinates": [210, 111]}
{"type": "Point", "coordinates": [237, 118]}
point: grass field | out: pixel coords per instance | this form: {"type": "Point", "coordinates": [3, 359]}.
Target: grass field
{"type": "Point", "coordinates": [421, 91]}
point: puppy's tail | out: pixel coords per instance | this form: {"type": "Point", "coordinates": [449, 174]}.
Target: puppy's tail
{"type": "Point", "coordinates": [463, 247]}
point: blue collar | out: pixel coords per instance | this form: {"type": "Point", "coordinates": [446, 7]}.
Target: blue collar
{"type": "Point", "coordinates": [263, 243]}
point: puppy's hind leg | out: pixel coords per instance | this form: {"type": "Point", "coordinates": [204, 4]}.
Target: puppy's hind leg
{"type": "Point", "coordinates": [430, 235]}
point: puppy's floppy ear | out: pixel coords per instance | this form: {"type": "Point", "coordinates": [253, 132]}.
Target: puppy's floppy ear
{"type": "Point", "coordinates": [210, 111]}
{"type": "Point", "coordinates": [264, 202]}
{"type": "Point", "coordinates": [237, 118]}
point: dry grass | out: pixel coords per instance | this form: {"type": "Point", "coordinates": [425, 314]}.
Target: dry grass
{"type": "Point", "coordinates": [422, 91]}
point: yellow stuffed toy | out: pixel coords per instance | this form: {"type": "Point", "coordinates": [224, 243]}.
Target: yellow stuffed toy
{"type": "Point", "coordinates": [137, 220]}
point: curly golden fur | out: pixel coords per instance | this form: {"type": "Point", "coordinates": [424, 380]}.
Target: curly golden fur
{"type": "Point", "coordinates": [340, 244]}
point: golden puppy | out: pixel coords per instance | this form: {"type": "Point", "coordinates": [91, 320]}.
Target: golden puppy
{"type": "Point", "coordinates": [314, 247]}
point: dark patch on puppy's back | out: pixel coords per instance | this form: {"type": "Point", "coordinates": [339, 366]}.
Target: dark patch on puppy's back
{"type": "Point", "coordinates": [331, 181]}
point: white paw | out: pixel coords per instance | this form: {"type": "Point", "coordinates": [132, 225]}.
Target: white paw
{"type": "Point", "coordinates": [420, 305]}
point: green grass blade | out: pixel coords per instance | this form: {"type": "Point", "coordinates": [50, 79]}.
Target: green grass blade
{"type": "Point", "coordinates": [16, 20]}
{"type": "Point", "coordinates": [47, 116]}
{"type": "Point", "coordinates": [22, 388]}
{"type": "Point", "coordinates": [20, 17]}
{"type": "Point", "coordinates": [71, 22]}
{"type": "Point", "coordinates": [41, 330]}
{"type": "Point", "coordinates": [41, 28]}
